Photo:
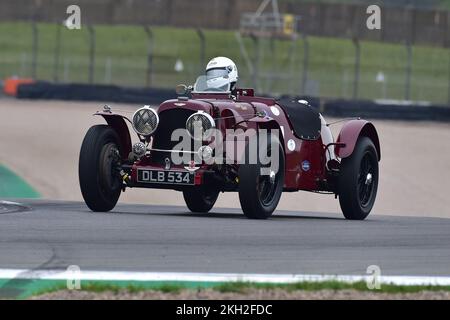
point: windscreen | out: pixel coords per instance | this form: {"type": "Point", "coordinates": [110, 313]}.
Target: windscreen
{"type": "Point", "coordinates": [212, 85]}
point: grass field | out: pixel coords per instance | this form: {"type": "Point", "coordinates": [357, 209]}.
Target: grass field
{"type": "Point", "coordinates": [121, 58]}
{"type": "Point", "coordinates": [237, 290]}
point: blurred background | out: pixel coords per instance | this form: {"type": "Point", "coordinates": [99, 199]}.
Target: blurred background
{"type": "Point", "coordinates": [315, 48]}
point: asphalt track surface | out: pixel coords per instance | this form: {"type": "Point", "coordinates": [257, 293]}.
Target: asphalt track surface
{"type": "Point", "coordinates": [55, 234]}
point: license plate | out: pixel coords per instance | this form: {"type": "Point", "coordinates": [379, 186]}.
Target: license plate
{"type": "Point", "coordinates": [165, 177]}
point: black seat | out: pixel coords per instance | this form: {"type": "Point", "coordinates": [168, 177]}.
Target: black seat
{"type": "Point", "coordinates": [304, 119]}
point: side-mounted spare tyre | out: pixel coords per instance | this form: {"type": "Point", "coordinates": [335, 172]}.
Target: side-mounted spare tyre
{"type": "Point", "coordinates": [259, 193]}
{"type": "Point", "coordinates": [98, 172]}
{"type": "Point", "coordinates": [358, 180]}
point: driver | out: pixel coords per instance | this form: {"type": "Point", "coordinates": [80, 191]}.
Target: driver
{"type": "Point", "coordinates": [220, 72]}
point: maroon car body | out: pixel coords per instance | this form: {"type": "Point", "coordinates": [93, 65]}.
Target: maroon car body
{"type": "Point", "coordinates": [244, 111]}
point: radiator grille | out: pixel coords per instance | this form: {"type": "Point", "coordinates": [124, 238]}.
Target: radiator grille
{"type": "Point", "coordinates": [169, 121]}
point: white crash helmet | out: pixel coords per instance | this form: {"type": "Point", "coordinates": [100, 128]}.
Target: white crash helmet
{"type": "Point", "coordinates": [220, 72]}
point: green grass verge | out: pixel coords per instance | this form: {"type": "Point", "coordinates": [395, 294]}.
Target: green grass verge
{"type": "Point", "coordinates": [25, 288]}
{"type": "Point", "coordinates": [331, 65]}
{"type": "Point", "coordinates": [328, 285]}
{"type": "Point", "coordinates": [13, 186]}
{"type": "Point", "coordinates": [234, 287]}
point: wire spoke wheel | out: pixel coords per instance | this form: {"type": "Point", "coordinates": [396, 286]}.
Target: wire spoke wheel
{"type": "Point", "coordinates": [98, 169]}
{"type": "Point", "coordinates": [267, 184]}
{"type": "Point", "coordinates": [109, 169]}
{"type": "Point", "coordinates": [358, 181]}
{"type": "Point", "coordinates": [261, 184]}
{"type": "Point", "coordinates": [365, 180]}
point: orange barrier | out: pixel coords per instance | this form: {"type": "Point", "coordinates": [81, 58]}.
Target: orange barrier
{"type": "Point", "coordinates": [11, 85]}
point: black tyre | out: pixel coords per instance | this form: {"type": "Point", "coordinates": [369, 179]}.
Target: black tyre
{"type": "Point", "coordinates": [358, 181]}
{"type": "Point", "coordinates": [259, 194]}
{"type": "Point", "coordinates": [100, 180]}
{"type": "Point", "coordinates": [200, 199]}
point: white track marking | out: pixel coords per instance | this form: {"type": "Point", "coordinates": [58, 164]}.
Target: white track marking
{"type": "Point", "coordinates": [11, 203]}
{"type": "Point", "coordinates": [214, 277]}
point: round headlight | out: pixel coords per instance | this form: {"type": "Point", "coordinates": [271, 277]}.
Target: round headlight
{"type": "Point", "coordinates": [198, 125]}
{"type": "Point", "coordinates": [145, 121]}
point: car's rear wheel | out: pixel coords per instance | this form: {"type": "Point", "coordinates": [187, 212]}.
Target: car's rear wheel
{"type": "Point", "coordinates": [358, 180]}
{"type": "Point", "coordinates": [260, 191]}
{"type": "Point", "coordinates": [99, 177]}
{"type": "Point", "coordinates": [200, 199]}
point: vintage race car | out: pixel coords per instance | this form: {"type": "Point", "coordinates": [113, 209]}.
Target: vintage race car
{"type": "Point", "coordinates": [210, 141]}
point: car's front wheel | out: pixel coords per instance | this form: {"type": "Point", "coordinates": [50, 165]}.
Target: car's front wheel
{"type": "Point", "coordinates": [261, 184]}
{"type": "Point", "coordinates": [358, 181]}
{"type": "Point", "coordinates": [100, 180]}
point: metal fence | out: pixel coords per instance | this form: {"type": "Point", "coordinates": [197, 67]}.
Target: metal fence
{"type": "Point", "coordinates": [427, 24]}
{"type": "Point", "coordinates": [164, 57]}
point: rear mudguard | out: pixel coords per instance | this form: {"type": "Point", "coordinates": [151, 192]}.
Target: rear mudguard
{"type": "Point", "coordinates": [117, 122]}
{"type": "Point", "coordinates": [349, 135]}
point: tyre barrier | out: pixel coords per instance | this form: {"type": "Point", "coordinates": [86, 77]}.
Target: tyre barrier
{"type": "Point", "coordinates": [368, 109]}
{"type": "Point", "coordinates": [86, 92]}
{"type": "Point", "coordinates": [341, 108]}
{"type": "Point", "coordinates": [10, 85]}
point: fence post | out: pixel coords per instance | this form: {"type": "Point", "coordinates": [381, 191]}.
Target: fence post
{"type": "Point", "coordinates": [149, 75]}
{"type": "Point", "coordinates": [202, 38]}
{"type": "Point", "coordinates": [357, 67]}
{"type": "Point", "coordinates": [34, 49]}
{"type": "Point", "coordinates": [91, 53]}
{"type": "Point", "coordinates": [448, 89]}
{"type": "Point", "coordinates": [447, 46]}
{"type": "Point", "coordinates": [108, 70]}
{"type": "Point", "coordinates": [57, 53]}
{"type": "Point", "coordinates": [408, 71]}
{"type": "Point", "coordinates": [305, 62]}
{"type": "Point", "coordinates": [273, 53]}
{"type": "Point", "coordinates": [257, 48]}
{"type": "Point", "coordinates": [244, 54]}
{"type": "Point", "coordinates": [23, 65]}
{"type": "Point", "coordinates": [66, 73]}
{"type": "Point", "coordinates": [291, 55]}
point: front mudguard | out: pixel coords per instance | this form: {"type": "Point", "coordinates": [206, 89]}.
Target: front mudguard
{"type": "Point", "coordinates": [118, 123]}
{"type": "Point", "coordinates": [349, 135]}
{"type": "Point", "coordinates": [256, 124]}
